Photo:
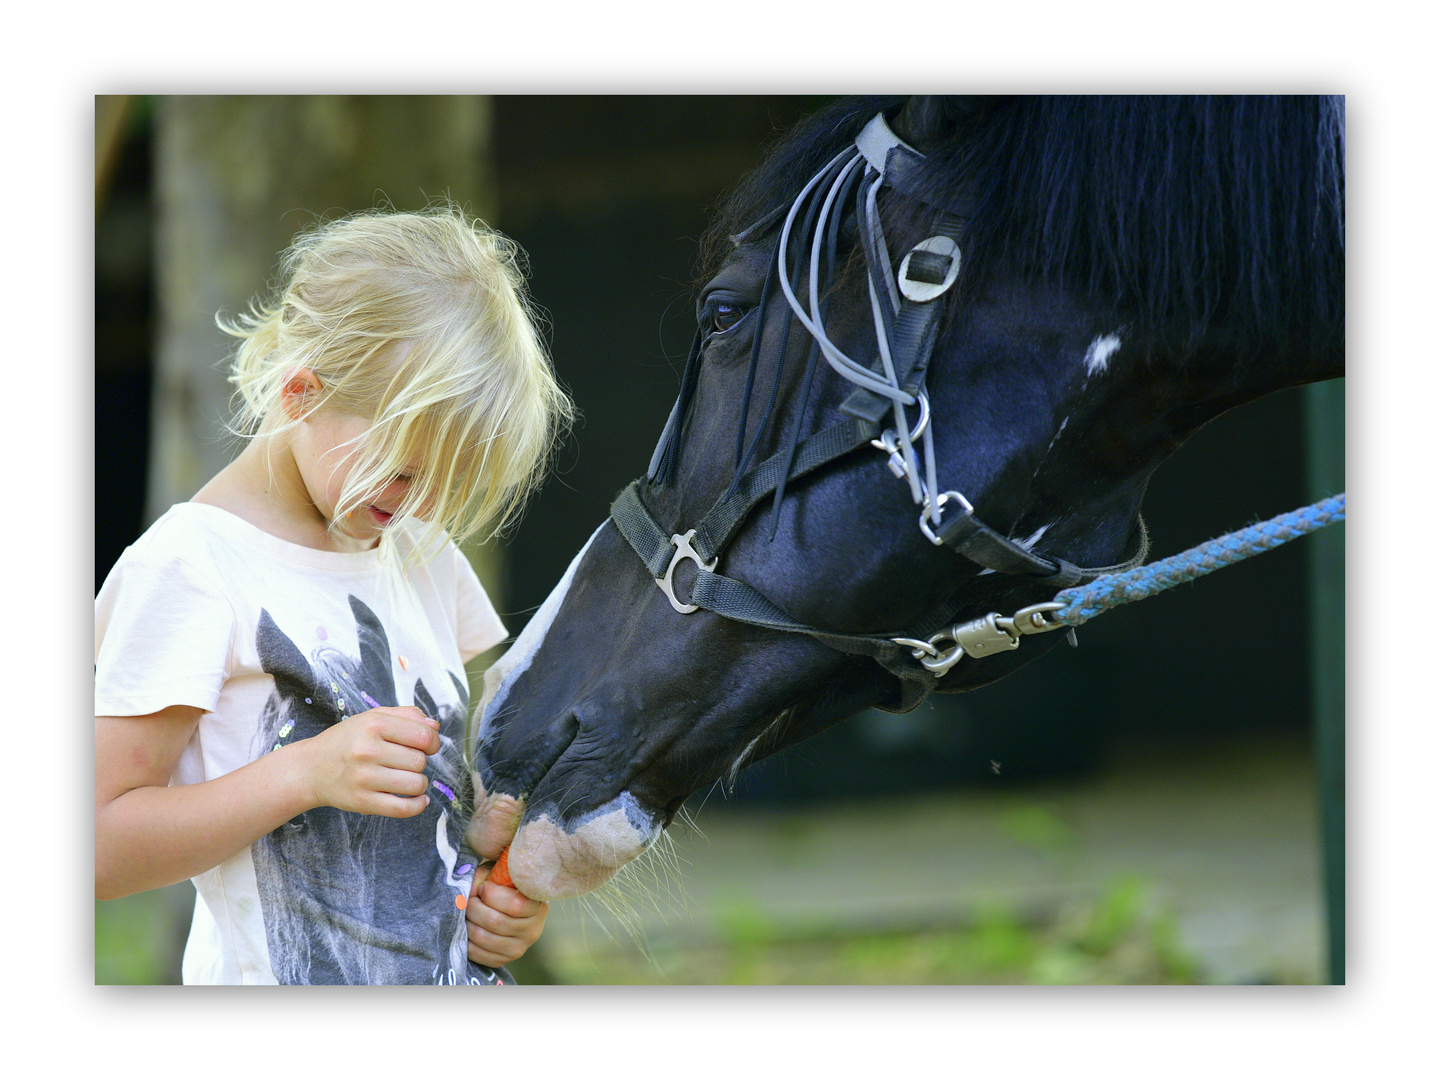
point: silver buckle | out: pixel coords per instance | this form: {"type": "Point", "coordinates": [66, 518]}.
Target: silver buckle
{"type": "Point", "coordinates": [945, 496]}
{"type": "Point", "coordinates": [984, 636]}
{"type": "Point", "coordinates": [889, 443]}
{"type": "Point", "coordinates": [683, 550]}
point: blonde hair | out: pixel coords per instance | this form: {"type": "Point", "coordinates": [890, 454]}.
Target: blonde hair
{"type": "Point", "coordinates": [418, 322]}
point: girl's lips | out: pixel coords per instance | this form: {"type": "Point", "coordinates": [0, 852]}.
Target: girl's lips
{"type": "Point", "coordinates": [381, 517]}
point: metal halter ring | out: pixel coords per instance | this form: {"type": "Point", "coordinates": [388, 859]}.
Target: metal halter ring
{"type": "Point", "coordinates": [683, 550]}
{"type": "Point", "coordinates": [889, 444]}
{"type": "Point", "coordinates": [945, 496]}
{"type": "Point", "coordinates": [920, 425]}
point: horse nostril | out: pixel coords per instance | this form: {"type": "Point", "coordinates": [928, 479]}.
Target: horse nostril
{"type": "Point", "coordinates": [522, 769]}
{"type": "Point", "coordinates": [672, 808]}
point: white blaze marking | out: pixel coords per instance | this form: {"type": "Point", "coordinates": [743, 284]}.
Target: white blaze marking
{"type": "Point", "coordinates": [1097, 357]}
{"type": "Point", "coordinates": [518, 657]}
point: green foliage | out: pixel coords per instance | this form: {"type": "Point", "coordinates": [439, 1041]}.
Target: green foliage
{"type": "Point", "coordinates": [139, 939]}
{"type": "Point", "coordinates": [1117, 938]}
{"type": "Point", "coordinates": [1041, 829]}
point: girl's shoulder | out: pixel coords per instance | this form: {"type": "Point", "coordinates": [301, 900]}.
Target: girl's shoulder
{"type": "Point", "coordinates": [214, 536]}
{"type": "Point", "coordinates": [189, 547]}
{"type": "Point", "coordinates": [188, 532]}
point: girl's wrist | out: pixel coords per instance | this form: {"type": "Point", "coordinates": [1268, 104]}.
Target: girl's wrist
{"type": "Point", "coordinates": [296, 778]}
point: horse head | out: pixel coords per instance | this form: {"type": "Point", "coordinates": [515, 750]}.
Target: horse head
{"type": "Point", "coordinates": [942, 347]}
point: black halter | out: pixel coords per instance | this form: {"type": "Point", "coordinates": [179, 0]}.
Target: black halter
{"type": "Point", "coordinates": [905, 314]}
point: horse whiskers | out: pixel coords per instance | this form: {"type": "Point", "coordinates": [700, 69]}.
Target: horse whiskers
{"type": "Point", "coordinates": [719, 783]}
{"type": "Point", "coordinates": [688, 820]}
{"type": "Point", "coordinates": [656, 875]}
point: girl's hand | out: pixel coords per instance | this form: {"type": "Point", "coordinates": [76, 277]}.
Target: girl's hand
{"type": "Point", "coordinates": [149, 834]}
{"type": "Point", "coordinates": [373, 762]}
{"type": "Point", "coordinates": [502, 922]}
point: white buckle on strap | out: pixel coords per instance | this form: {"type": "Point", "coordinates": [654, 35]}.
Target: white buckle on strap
{"type": "Point", "coordinates": [922, 292]}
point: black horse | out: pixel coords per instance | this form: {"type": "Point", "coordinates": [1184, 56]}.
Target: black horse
{"type": "Point", "coordinates": [945, 344]}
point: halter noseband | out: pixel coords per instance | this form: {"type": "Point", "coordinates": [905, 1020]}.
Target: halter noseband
{"type": "Point", "coordinates": [905, 316]}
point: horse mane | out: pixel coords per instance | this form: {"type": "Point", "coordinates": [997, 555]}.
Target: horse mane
{"type": "Point", "coordinates": [1182, 212]}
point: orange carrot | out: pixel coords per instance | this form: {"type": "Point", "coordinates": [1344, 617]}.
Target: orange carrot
{"type": "Point", "coordinates": [500, 873]}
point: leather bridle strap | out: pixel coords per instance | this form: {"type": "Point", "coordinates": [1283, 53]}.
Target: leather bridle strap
{"type": "Point", "coordinates": [654, 545]}
{"type": "Point", "coordinates": [969, 536]}
{"type": "Point", "coordinates": [736, 600]}
{"type": "Point", "coordinates": [906, 320]}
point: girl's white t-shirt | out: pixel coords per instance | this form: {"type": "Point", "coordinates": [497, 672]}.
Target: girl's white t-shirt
{"type": "Point", "coordinates": [275, 642]}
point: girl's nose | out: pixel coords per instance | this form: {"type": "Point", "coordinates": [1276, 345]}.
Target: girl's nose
{"type": "Point", "coordinates": [398, 488]}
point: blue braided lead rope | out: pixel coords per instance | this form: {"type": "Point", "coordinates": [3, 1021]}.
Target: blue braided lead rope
{"type": "Point", "coordinates": [1086, 601]}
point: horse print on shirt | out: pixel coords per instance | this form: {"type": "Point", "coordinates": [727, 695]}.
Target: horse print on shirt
{"type": "Point", "coordinates": [352, 898]}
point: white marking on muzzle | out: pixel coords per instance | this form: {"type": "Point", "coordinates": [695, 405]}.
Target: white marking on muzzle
{"type": "Point", "coordinates": [551, 862]}
{"type": "Point", "coordinates": [548, 860]}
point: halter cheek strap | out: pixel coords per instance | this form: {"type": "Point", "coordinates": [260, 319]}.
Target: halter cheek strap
{"type": "Point", "coordinates": [905, 318]}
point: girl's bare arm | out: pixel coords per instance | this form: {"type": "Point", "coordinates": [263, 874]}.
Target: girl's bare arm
{"type": "Point", "coordinates": [148, 834]}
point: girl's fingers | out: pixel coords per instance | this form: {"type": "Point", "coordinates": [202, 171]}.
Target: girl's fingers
{"type": "Point", "coordinates": [494, 958]}
{"type": "Point", "coordinates": [386, 804]}
{"type": "Point", "coordinates": [394, 757]}
{"type": "Point", "coordinates": [496, 938]}
{"type": "Point", "coordinates": [402, 782]}
{"type": "Point", "coordinates": [374, 762]}
{"type": "Point", "coordinates": [411, 728]}
{"type": "Point", "coordinates": [395, 741]}
{"type": "Point", "coordinates": [509, 901]}
{"type": "Point", "coordinates": [481, 915]}
{"type": "Point", "coordinates": [487, 921]}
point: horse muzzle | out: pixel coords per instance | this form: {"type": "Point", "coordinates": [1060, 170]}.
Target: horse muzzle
{"type": "Point", "coordinates": [553, 858]}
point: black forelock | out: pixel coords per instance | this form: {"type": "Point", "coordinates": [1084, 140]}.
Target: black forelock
{"type": "Point", "coordinates": [1179, 210]}
{"type": "Point", "coordinates": [789, 164]}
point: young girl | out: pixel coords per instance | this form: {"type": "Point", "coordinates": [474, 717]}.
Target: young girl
{"type": "Point", "coordinates": [280, 691]}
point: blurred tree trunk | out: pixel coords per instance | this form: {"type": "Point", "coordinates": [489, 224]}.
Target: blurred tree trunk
{"type": "Point", "coordinates": [236, 179]}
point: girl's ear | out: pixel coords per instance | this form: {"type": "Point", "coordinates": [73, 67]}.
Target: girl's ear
{"type": "Point", "coordinates": [300, 393]}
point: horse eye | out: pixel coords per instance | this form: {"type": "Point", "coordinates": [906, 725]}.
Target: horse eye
{"type": "Point", "coordinates": [724, 315]}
